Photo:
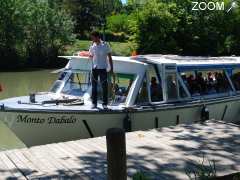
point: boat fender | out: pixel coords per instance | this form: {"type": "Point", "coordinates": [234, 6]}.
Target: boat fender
{"type": "Point", "coordinates": [1, 88]}
{"type": "Point", "coordinates": [32, 98]}
{"type": "Point", "coordinates": [204, 114]}
{"type": "Point", "coordinates": [127, 124]}
{"type": "Point", "coordinates": [2, 107]}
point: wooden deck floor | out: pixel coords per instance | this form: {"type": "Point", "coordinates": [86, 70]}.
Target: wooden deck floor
{"type": "Point", "coordinates": [163, 153]}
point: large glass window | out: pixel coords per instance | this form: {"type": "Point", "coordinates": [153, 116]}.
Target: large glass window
{"type": "Point", "coordinates": [155, 84]}
{"type": "Point", "coordinates": [189, 79]}
{"type": "Point", "coordinates": [142, 97]}
{"type": "Point", "coordinates": [206, 82]}
{"type": "Point", "coordinates": [182, 90]}
{"type": "Point", "coordinates": [235, 77]}
{"type": "Point", "coordinates": [119, 87]}
{"type": "Point", "coordinates": [171, 82]}
{"type": "Point", "coordinates": [77, 84]}
{"type": "Point", "coordinates": [58, 84]}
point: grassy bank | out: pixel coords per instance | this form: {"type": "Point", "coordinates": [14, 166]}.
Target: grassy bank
{"type": "Point", "coordinates": [118, 48]}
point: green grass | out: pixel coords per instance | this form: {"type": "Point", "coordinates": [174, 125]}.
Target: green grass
{"type": "Point", "coordinates": [118, 48]}
{"type": "Point", "coordinates": [140, 176]}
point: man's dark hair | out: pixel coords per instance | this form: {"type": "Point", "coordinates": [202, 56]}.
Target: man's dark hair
{"type": "Point", "coordinates": [95, 34]}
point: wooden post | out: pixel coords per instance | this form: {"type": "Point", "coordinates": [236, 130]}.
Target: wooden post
{"type": "Point", "coordinates": [116, 154]}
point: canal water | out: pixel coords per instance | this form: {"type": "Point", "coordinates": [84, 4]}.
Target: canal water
{"type": "Point", "coordinates": [19, 84]}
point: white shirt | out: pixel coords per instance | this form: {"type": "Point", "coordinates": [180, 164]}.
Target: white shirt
{"type": "Point", "coordinates": [100, 53]}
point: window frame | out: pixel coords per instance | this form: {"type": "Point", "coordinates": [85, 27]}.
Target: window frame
{"type": "Point", "coordinates": [158, 76]}
{"type": "Point", "coordinates": [68, 76]}
{"type": "Point", "coordinates": [232, 69]}
{"type": "Point", "coordinates": [145, 76]}
{"type": "Point", "coordinates": [179, 78]}
{"type": "Point", "coordinates": [216, 95]}
{"type": "Point", "coordinates": [131, 89]}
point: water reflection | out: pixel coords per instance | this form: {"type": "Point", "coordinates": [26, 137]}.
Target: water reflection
{"type": "Point", "coordinates": [22, 83]}
{"type": "Point", "coordinates": [19, 84]}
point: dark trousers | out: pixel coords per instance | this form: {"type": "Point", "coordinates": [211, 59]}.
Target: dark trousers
{"type": "Point", "coordinates": [102, 73]}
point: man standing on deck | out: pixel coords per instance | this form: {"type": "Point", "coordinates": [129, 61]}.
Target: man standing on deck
{"type": "Point", "coordinates": [100, 53]}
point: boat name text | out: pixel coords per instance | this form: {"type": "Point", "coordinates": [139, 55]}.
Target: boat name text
{"type": "Point", "coordinates": [50, 120]}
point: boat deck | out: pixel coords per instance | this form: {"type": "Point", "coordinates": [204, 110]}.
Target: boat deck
{"type": "Point", "coordinates": [164, 153]}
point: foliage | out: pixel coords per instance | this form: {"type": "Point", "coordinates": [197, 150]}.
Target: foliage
{"type": "Point", "coordinates": [204, 32]}
{"type": "Point", "coordinates": [201, 171]}
{"type": "Point", "coordinates": [32, 33]}
{"type": "Point", "coordinates": [48, 30]}
{"type": "Point", "coordinates": [117, 27]}
{"type": "Point", "coordinates": [90, 14]}
{"type": "Point", "coordinates": [140, 176]}
{"type": "Point", "coordinates": [118, 48]}
{"type": "Point", "coordinates": [153, 27]}
{"type": "Point", "coordinates": [11, 31]}
{"type": "Point", "coordinates": [118, 23]}
{"type": "Point", "coordinates": [172, 26]}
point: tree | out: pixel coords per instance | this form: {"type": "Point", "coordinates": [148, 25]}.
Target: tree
{"type": "Point", "coordinates": [12, 17]}
{"type": "Point", "coordinates": [32, 32]}
{"type": "Point", "coordinates": [171, 26]}
{"type": "Point", "coordinates": [48, 29]}
{"type": "Point", "coordinates": [152, 28]}
{"type": "Point", "coordinates": [90, 14]}
{"type": "Point", "coordinates": [117, 23]}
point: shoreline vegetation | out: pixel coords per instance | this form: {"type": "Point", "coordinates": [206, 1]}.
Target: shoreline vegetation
{"type": "Point", "coordinates": [118, 48]}
{"type": "Point", "coordinates": [34, 33]}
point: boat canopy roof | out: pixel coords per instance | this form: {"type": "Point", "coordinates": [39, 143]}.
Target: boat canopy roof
{"type": "Point", "coordinates": [121, 64]}
{"type": "Point", "coordinates": [191, 62]}
{"type": "Point", "coordinates": [135, 64]}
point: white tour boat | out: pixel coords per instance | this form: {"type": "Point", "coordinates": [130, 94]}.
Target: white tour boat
{"type": "Point", "coordinates": [149, 91]}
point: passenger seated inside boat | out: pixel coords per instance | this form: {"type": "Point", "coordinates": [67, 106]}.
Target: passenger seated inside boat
{"type": "Point", "coordinates": [156, 90]}
{"type": "Point", "coordinates": [206, 82]}
{"type": "Point", "coordinates": [142, 97]}
{"type": "Point", "coordinates": [119, 90]}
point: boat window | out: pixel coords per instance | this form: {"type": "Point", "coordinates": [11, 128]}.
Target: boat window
{"type": "Point", "coordinates": [142, 97]}
{"type": "Point", "coordinates": [189, 79]}
{"type": "Point", "coordinates": [77, 84]}
{"type": "Point", "coordinates": [235, 77]}
{"type": "Point", "coordinates": [182, 92]}
{"type": "Point", "coordinates": [62, 75]}
{"type": "Point", "coordinates": [171, 81]}
{"type": "Point", "coordinates": [56, 86]}
{"type": "Point", "coordinates": [155, 85]}
{"type": "Point", "coordinates": [119, 86]}
{"type": "Point", "coordinates": [206, 82]}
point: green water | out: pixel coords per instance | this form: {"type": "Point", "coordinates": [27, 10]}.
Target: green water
{"type": "Point", "coordinates": [22, 83]}
{"type": "Point", "coordinates": [19, 84]}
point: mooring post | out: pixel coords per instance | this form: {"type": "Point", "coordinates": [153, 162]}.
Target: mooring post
{"type": "Point", "coordinates": [116, 154]}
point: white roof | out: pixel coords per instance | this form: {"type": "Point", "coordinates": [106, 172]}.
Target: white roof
{"type": "Point", "coordinates": [120, 64]}
{"type": "Point", "coordinates": [187, 60]}
{"type": "Point", "coordinates": [140, 60]}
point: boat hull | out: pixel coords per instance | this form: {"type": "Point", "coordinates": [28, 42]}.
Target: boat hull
{"type": "Point", "coordinates": [36, 127]}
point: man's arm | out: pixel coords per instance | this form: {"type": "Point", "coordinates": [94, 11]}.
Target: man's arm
{"type": "Point", "coordinates": [111, 62]}
{"type": "Point", "coordinates": [90, 51]}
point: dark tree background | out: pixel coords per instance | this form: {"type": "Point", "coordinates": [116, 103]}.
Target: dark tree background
{"type": "Point", "coordinates": [34, 32]}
